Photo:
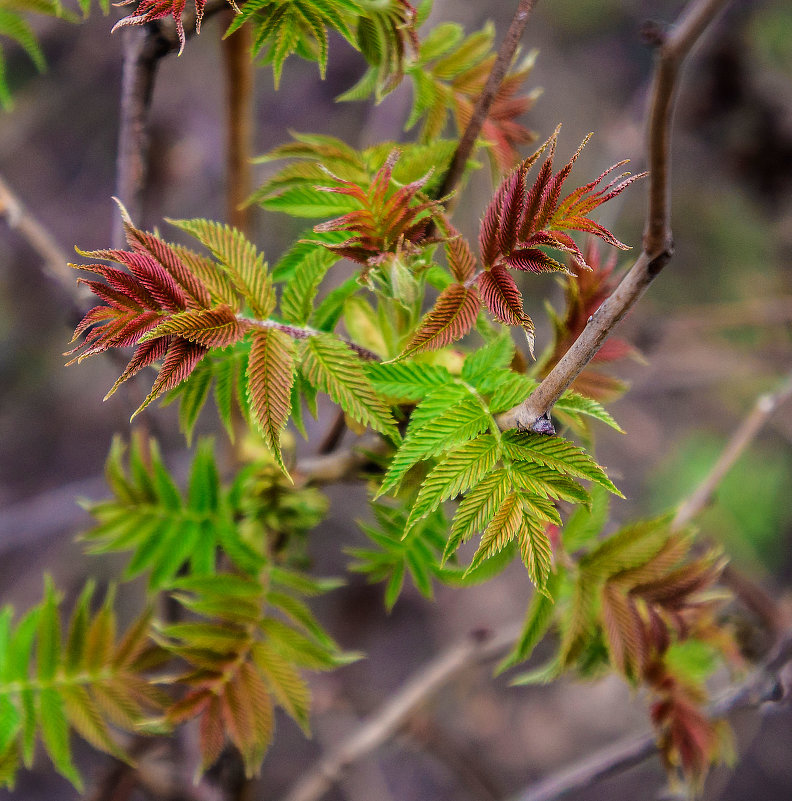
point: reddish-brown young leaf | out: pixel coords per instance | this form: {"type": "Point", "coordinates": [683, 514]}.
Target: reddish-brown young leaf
{"type": "Point", "coordinates": [453, 315]}
{"type": "Point", "coordinates": [145, 354]}
{"type": "Point", "coordinates": [213, 328]}
{"type": "Point", "coordinates": [533, 261]}
{"type": "Point", "coordinates": [460, 257]}
{"type": "Point", "coordinates": [502, 297]}
{"type": "Point", "coordinates": [384, 224]}
{"type": "Point", "coordinates": [212, 733]}
{"type": "Point", "coordinates": [150, 10]}
{"type": "Point", "coordinates": [180, 360]}
{"type": "Point", "coordinates": [152, 275]}
{"type": "Point", "coordinates": [197, 295]}
{"type": "Point", "coordinates": [270, 377]}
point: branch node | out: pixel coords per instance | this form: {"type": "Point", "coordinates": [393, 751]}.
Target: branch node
{"type": "Point", "coordinates": [656, 263]}
{"type": "Point", "coordinates": [653, 34]}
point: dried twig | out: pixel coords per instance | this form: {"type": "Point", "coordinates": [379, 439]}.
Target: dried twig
{"type": "Point", "coordinates": [658, 241]}
{"type": "Point", "coordinates": [55, 260]}
{"type": "Point", "coordinates": [398, 708]}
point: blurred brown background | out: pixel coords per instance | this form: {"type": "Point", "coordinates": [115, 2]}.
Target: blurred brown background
{"type": "Point", "coordinates": [714, 330]}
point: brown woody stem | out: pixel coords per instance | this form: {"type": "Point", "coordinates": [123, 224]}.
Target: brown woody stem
{"type": "Point", "coordinates": [658, 240]}
{"type": "Point", "coordinates": [239, 125]}
{"type": "Point", "coordinates": [485, 100]}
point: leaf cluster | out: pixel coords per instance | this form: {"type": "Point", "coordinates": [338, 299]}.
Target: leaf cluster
{"type": "Point", "coordinates": [510, 480]}
{"type": "Point", "coordinates": [176, 306]}
{"type": "Point", "coordinates": [82, 678]}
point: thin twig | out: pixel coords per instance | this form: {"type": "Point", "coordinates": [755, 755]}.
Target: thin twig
{"type": "Point", "coordinates": [761, 687]}
{"type": "Point", "coordinates": [394, 712]}
{"type": "Point", "coordinates": [750, 594]}
{"type": "Point", "coordinates": [502, 63]}
{"type": "Point", "coordinates": [742, 437]}
{"type": "Point", "coordinates": [658, 240]}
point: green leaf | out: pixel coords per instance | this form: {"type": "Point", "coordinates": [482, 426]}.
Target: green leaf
{"type": "Point", "coordinates": [332, 367]}
{"type": "Point", "coordinates": [460, 470]}
{"type": "Point", "coordinates": [579, 404]}
{"type": "Point", "coordinates": [496, 355]}
{"type": "Point", "coordinates": [244, 265]}
{"type": "Point", "coordinates": [300, 291]}
{"type": "Point", "coordinates": [441, 422]}
{"type": "Point", "coordinates": [538, 618]}
{"type": "Point", "coordinates": [407, 380]}
{"type": "Point", "coordinates": [557, 453]}
{"type": "Point", "coordinates": [477, 509]}
{"type": "Point", "coordinates": [55, 734]}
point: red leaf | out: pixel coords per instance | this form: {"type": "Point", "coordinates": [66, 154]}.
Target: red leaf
{"type": "Point", "coordinates": [460, 257]}
{"type": "Point", "coordinates": [452, 317]}
{"type": "Point", "coordinates": [533, 261]}
{"type": "Point", "coordinates": [213, 328]}
{"type": "Point", "coordinates": [146, 353]}
{"type": "Point", "coordinates": [180, 361]}
{"type": "Point", "coordinates": [511, 210]}
{"type": "Point", "coordinates": [502, 297]}
{"type": "Point", "coordinates": [192, 286]}
{"type": "Point", "coordinates": [149, 10]}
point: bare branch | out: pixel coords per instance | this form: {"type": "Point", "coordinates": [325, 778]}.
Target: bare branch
{"type": "Point", "coordinates": [394, 712]}
{"type": "Point", "coordinates": [761, 687]}
{"type": "Point", "coordinates": [239, 125]}
{"type": "Point", "coordinates": [502, 63]}
{"type": "Point", "coordinates": [144, 47]}
{"type": "Point", "coordinates": [658, 241]}
{"type": "Point", "coordinates": [742, 437]}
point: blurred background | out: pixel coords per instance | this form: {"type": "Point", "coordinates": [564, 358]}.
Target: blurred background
{"type": "Point", "coordinates": [713, 331]}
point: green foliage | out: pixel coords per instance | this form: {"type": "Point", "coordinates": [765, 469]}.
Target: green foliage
{"type": "Point", "coordinates": [510, 479]}
{"type": "Point", "coordinates": [168, 531]}
{"type": "Point", "coordinates": [80, 678]}
{"type": "Point", "coordinates": [382, 31]}
{"type": "Point", "coordinates": [15, 25]}
{"type": "Point", "coordinates": [244, 650]}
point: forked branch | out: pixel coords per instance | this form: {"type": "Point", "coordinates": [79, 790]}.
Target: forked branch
{"type": "Point", "coordinates": [658, 240]}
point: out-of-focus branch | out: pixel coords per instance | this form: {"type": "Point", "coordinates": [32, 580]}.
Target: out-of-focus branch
{"type": "Point", "coordinates": [751, 594]}
{"type": "Point", "coordinates": [239, 125]}
{"type": "Point", "coordinates": [499, 69]}
{"type": "Point", "coordinates": [398, 708]}
{"type": "Point", "coordinates": [742, 437]}
{"type": "Point", "coordinates": [19, 218]}
{"type": "Point", "coordinates": [143, 47]}
{"type": "Point", "coordinates": [761, 687]}
{"type": "Point", "coordinates": [657, 241]}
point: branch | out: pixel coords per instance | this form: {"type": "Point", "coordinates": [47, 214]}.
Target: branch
{"type": "Point", "coordinates": [239, 125]}
{"type": "Point", "coordinates": [743, 436]}
{"type": "Point", "coordinates": [143, 47]}
{"type": "Point", "coordinates": [762, 687]}
{"type": "Point", "coordinates": [394, 712]}
{"type": "Point", "coordinates": [502, 63]}
{"type": "Point", "coordinates": [657, 242]}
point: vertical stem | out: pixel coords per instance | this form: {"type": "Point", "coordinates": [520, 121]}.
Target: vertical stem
{"type": "Point", "coordinates": [239, 125]}
{"type": "Point", "coordinates": [143, 49]}
{"type": "Point", "coordinates": [505, 56]}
